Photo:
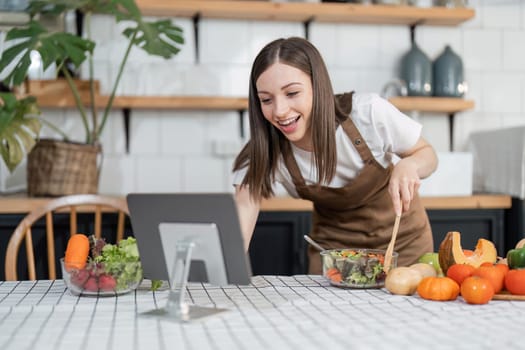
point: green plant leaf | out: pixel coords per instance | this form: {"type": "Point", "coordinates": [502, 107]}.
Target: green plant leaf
{"type": "Point", "coordinates": [126, 9]}
{"type": "Point", "coordinates": [26, 138]}
{"type": "Point", "coordinates": [51, 7]}
{"type": "Point", "coordinates": [57, 7]}
{"type": "Point", "coordinates": [19, 127]}
{"type": "Point", "coordinates": [16, 154]}
{"type": "Point", "coordinates": [159, 38]}
{"type": "Point", "coordinates": [52, 47]}
{"type": "Point", "coordinates": [34, 125]}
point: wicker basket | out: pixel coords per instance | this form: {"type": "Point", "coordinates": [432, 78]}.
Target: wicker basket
{"type": "Point", "coordinates": [58, 168]}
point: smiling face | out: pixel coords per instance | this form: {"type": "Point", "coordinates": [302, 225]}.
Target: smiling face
{"type": "Point", "coordinates": [286, 96]}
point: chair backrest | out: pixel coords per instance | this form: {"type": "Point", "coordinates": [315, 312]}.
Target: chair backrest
{"type": "Point", "coordinates": [72, 205]}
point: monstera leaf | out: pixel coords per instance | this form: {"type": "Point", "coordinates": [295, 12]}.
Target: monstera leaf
{"type": "Point", "coordinates": [159, 38]}
{"type": "Point", "coordinates": [53, 48]}
{"type": "Point", "coordinates": [19, 128]}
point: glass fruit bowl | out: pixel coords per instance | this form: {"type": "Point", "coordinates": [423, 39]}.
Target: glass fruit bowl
{"type": "Point", "coordinates": [355, 267]}
{"type": "Point", "coordinates": [96, 279]}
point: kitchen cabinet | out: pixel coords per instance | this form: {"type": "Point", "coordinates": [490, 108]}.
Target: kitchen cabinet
{"type": "Point", "coordinates": [515, 222]}
{"type": "Point", "coordinates": [9, 221]}
{"type": "Point", "coordinates": [278, 245]}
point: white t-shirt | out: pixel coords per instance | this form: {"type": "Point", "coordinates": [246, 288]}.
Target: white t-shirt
{"type": "Point", "coordinates": [384, 128]}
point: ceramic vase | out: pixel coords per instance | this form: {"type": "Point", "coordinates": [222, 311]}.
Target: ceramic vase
{"type": "Point", "coordinates": [448, 74]}
{"type": "Point", "coordinates": [416, 71]}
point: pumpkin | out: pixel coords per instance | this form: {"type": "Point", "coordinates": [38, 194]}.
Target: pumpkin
{"type": "Point", "coordinates": [451, 252]}
{"type": "Point", "coordinates": [438, 288]}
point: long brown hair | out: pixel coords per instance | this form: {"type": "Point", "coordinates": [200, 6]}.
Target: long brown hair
{"type": "Point", "coordinates": [261, 153]}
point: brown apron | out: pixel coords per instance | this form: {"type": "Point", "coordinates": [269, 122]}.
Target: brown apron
{"type": "Point", "coordinates": [361, 214]}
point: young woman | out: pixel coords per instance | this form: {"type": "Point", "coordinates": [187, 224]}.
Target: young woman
{"type": "Point", "coordinates": [337, 151]}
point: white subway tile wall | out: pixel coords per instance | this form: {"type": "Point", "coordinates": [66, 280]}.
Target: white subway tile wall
{"type": "Point", "coordinates": [194, 150]}
{"type": "Point", "coordinates": [514, 50]}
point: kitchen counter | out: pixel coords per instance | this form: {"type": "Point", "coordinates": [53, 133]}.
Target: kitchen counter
{"type": "Point", "coordinates": [484, 201]}
{"type": "Point", "coordinates": [14, 204]}
{"type": "Point", "coordinates": [273, 312]}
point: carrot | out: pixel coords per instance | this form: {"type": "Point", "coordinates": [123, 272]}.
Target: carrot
{"type": "Point", "coordinates": [331, 271]}
{"type": "Point", "coordinates": [77, 251]}
{"type": "Point", "coordinates": [334, 275]}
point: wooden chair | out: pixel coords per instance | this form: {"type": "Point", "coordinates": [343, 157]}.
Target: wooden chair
{"type": "Point", "coordinates": [71, 205]}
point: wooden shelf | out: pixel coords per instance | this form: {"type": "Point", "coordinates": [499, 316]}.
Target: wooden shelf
{"type": "Point", "coordinates": [152, 102]}
{"type": "Point", "coordinates": [20, 203]}
{"type": "Point", "coordinates": [426, 104]}
{"type": "Point", "coordinates": [55, 94]}
{"type": "Point", "coordinates": [432, 104]}
{"type": "Point", "coordinates": [306, 12]}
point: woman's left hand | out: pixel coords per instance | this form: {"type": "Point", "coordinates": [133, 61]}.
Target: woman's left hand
{"type": "Point", "coordinates": [417, 163]}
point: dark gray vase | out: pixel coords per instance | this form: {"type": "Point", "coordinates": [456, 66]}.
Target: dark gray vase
{"type": "Point", "coordinates": [448, 74]}
{"type": "Point", "coordinates": [416, 71]}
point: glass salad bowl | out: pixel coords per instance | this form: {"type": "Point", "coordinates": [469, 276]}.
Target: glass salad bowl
{"type": "Point", "coordinates": [355, 267]}
{"type": "Point", "coordinates": [100, 279]}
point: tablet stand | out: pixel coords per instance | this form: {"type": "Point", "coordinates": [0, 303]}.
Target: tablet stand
{"type": "Point", "coordinates": [176, 309]}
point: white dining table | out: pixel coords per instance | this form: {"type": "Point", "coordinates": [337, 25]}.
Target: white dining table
{"type": "Point", "coordinates": [273, 312]}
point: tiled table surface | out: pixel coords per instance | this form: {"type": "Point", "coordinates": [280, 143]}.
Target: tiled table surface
{"type": "Point", "coordinates": [274, 312]}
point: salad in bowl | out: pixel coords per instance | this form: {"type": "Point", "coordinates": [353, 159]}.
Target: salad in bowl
{"type": "Point", "coordinates": [93, 267]}
{"type": "Point", "coordinates": [355, 267]}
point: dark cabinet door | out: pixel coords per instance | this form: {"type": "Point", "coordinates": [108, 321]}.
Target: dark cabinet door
{"type": "Point", "coordinates": [277, 246]}
{"type": "Point", "coordinates": [473, 225]}
{"type": "Point", "coordinates": [9, 222]}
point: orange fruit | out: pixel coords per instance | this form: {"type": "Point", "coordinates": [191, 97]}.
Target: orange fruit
{"type": "Point", "coordinates": [477, 290]}
{"type": "Point", "coordinates": [515, 281]}
{"type": "Point", "coordinates": [458, 272]}
{"type": "Point", "coordinates": [495, 275]}
{"type": "Point", "coordinates": [503, 267]}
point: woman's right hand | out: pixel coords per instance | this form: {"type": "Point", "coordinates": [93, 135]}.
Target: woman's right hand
{"type": "Point", "coordinates": [416, 163]}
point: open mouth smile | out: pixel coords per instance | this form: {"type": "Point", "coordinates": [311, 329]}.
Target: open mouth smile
{"type": "Point", "coordinates": [288, 121]}
{"type": "Point", "coordinates": [289, 125]}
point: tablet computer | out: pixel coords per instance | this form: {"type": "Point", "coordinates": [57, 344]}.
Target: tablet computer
{"type": "Point", "coordinates": [161, 220]}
